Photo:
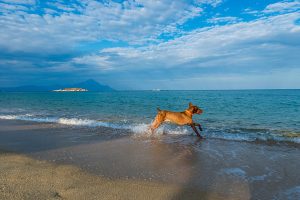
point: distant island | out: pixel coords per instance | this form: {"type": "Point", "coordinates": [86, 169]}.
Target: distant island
{"type": "Point", "coordinates": [88, 85]}
{"type": "Point", "coordinates": [71, 90]}
{"type": "Point", "coordinates": [156, 90]}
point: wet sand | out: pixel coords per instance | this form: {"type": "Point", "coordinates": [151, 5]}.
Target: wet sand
{"type": "Point", "coordinates": [54, 161]}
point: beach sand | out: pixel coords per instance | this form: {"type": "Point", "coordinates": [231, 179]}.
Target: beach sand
{"type": "Point", "coordinates": [50, 161]}
{"type": "Point", "coordinates": [25, 178]}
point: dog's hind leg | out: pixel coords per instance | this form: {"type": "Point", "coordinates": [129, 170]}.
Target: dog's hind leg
{"type": "Point", "coordinates": [157, 122]}
{"type": "Point", "coordinates": [155, 125]}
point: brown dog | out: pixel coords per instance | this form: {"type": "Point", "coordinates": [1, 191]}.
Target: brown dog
{"type": "Point", "coordinates": [179, 118]}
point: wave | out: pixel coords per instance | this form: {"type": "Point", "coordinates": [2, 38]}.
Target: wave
{"type": "Point", "coordinates": [145, 128]}
{"type": "Point", "coordinates": [240, 134]}
{"type": "Point", "coordinates": [135, 128]}
{"type": "Point", "coordinates": [65, 121]}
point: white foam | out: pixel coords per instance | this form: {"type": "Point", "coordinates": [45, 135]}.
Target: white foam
{"type": "Point", "coordinates": [144, 129]}
{"type": "Point", "coordinates": [178, 131]}
{"type": "Point", "coordinates": [77, 122]}
{"type": "Point", "coordinates": [138, 129]}
{"type": "Point", "coordinates": [65, 121]}
{"type": "Point", "coordinates": [8, 117]}
{"type": "Point", "coordinates": [86, 122]}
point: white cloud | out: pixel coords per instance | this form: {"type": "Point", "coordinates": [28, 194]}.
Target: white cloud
{"type": "Point", "coordinates": [24, 2]}
{"type": "Point", "coordinates": [99, 62]}
{"type": "Point", "coordinates": [251, 11]}
{"type": "Point", "coordinates": [284, 6]}
{"type": "Point", "coordinates": [256, 54]}
{"type": "Point", "coordinates": [228, 19]}
{"type": "Point", "coordinates": [131, 21]}
{"type": "Point", "coordinates": [7, 8]}
{"type": "Point", "coordinates": [64, 7]}
{"type": "Point", "coordinates": [261, 42]}
{"type": "Point", "coordinates": [213, 3]}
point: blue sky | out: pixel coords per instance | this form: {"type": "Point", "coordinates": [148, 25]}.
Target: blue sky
{"type": "Point", "coordinates": [143, 44]}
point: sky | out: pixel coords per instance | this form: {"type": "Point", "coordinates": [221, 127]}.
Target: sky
{"type": "Point", "coordinates": [151, 44]}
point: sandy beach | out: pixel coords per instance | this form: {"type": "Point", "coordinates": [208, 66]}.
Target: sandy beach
{"type": "Point", "coordinates": [50, 161]}
{"type": "Point", "coordinates": [25, 178]}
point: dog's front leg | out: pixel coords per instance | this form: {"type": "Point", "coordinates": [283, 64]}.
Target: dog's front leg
{"type": "Point", "coordinates": [195, 130]}
{"type": "Point", "coordinates": [199, 125]}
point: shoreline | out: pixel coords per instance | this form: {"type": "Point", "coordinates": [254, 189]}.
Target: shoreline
{"type": "Point", "coordinates": [182, 165]}
{"type": "Point", "coordinates": [287, 138]}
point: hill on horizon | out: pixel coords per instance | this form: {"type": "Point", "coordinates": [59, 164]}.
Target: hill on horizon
{"type": "Point", "coordinates": [90, 84]}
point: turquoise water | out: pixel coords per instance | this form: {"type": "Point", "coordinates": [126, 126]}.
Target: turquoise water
{"type": "Point", "coordinates": [235, 115]}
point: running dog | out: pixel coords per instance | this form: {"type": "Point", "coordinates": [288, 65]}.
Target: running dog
{"type": "Point", "coordinates": [179, 118]}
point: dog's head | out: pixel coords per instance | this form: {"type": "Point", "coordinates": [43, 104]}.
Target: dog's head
{"type": "Point", "coordinates": [195, 109]}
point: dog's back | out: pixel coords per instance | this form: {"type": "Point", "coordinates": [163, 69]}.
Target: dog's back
{"type": "Point", "coordinates": [179, 118]}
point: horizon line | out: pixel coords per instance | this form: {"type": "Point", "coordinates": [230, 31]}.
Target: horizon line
{"type": "Point", "coordinates": [153, 90]}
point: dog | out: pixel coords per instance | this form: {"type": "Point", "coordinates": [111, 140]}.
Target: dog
{"type": "Point", "coordinates": [179, 118]}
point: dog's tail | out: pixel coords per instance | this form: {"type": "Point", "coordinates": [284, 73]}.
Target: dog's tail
{"type": "Point", "coordinates": [158, 109]}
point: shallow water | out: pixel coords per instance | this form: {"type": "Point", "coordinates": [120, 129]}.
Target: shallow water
{"type": "Point", "coordinates": [249, 115]}
{"type": "Point", "coordinates": [237, 170]}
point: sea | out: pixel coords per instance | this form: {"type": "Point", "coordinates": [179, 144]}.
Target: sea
{"type": "Point", "coordinates": [240, 115]}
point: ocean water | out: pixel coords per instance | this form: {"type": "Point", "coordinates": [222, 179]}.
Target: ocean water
{"type": "Point", "coordinates": [242, 115]}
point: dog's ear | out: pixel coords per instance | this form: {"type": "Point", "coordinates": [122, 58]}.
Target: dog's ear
{"type": "Point", "coordinates": [190, 104]}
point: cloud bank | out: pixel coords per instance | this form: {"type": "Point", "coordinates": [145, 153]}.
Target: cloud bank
{"type": "Point", "coordinates": [151, 44]}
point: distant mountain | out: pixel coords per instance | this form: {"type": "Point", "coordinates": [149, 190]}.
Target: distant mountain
{"type": "Point", "coordinates": [91, 85]}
